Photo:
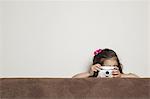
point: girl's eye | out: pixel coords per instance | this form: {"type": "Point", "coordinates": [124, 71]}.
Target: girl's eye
{"type": "Point", "coordinates": [115, 65]}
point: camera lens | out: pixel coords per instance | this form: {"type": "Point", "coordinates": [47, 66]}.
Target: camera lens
{"type": "Point", "coordinates": [107, 72]}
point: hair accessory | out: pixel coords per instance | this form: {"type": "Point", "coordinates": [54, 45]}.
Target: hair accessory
{"type": "Point", "coordinates": [97, 51]}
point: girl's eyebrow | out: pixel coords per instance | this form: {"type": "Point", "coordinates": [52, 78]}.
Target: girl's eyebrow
{"type": "Point", "coordinates": [115, 65]}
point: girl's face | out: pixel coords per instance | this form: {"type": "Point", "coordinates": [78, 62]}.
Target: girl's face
{"type": "Point", "coordinates": [110, 62]}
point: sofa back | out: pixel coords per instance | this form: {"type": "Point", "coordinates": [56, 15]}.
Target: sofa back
{"type": "Point", "coordinates": [75, 88]}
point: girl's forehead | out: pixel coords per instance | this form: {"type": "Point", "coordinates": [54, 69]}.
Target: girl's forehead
{"type": "Point", "coordinates": [111, 61]}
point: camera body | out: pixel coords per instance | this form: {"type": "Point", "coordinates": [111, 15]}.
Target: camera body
{"type": "Point", "coordinates": [106, 71]}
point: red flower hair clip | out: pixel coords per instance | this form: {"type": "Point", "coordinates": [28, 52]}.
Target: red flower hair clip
{"type": "Point", "coordinates": [97, 51]}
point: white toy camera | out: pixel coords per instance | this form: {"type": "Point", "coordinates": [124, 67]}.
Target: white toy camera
{"type": "Point", "coordinates": [106, 71]}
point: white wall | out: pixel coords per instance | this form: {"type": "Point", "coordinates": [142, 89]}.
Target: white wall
{"type": "Point", "coordinates": [57, 39]}
{"type": "Point", "coordinates": [149, 34]}
{"type": "Point", "coordinates": [1, 40]}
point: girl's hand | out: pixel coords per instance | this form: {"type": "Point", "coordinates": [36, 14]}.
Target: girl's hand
{"type": "Point", "coordinates": [93, 68]}
{"type": "Point", "coordinates": [116, 73]}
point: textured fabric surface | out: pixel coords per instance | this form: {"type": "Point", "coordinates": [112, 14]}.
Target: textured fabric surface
{"type": "Point", "coordinates": [71, 88]}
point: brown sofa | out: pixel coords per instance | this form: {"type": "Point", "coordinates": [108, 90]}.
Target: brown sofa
{"type": "Point", "coordinates": [71, 88]}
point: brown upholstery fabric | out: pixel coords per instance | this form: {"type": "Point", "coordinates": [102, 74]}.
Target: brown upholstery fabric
{"type": "Point", "coordinates": [71, 88]}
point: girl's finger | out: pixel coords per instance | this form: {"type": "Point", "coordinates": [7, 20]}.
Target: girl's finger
{"type": "Point", "coordinates": [116, 76]}
{"type": "Point", "coordinates": [115, 72]}
{"type": "Point", "coordinates": [95, 68]}
{"type": "Point", "coordinates": [116, 68]}
{"type": "Point", "coordinates": [97, 65]}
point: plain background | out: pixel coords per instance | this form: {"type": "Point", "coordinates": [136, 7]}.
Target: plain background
{"type": "Point", "coordinates": [57, 38]}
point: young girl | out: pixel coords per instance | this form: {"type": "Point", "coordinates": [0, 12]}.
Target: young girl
{"type": "Point", "coordinates": [105, 57]}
